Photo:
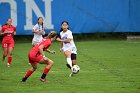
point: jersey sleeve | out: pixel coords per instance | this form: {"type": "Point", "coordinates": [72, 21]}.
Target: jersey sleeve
{"type": "Point", "coordinates": [35, 27]}
{"type": "Point", "coordinates": [70, 35]}
{"type": "Point", "coordinates": [14, 29]}
{"type": "Point", "coordinates": [60, 35]}
{"type": "Point", "coordinates": [43, 32]}
{"type": "Point", "coordinates": [2, 29]}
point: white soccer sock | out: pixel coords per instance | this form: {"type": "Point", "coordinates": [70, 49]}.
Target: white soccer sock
{"type": "Point", "coordinates": [69, 61]}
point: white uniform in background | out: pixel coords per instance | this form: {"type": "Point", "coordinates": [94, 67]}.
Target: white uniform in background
{"type": "Point", "coordinates": [37, 38]}
{"type": "Point", "coordinates": [68, 46]}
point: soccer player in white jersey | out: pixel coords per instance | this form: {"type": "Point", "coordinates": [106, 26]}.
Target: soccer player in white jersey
{"type": "Point", "coordinates": [67, 45]}
{"type": "Point", "coordinates": [38, 31]}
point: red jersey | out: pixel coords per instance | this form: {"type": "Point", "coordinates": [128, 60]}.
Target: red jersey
{"type": "Point", "coordinates": [8, 32]}
{"type": "Point", "coordinates": [45, 42]}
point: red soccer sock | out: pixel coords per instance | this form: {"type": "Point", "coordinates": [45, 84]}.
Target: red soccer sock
{"type": "Point", "coordinates": [9, 59]}
{"type": "Point", "coordinates": [28, 73]}
{"type": "Point", "coordinates": [46, 70]}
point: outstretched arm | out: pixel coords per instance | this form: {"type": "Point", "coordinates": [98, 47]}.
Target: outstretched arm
{"type": "Point", "coordinates": [49, 51]}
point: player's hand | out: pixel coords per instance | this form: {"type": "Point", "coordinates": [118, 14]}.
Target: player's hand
{"type": "Point", "coordinates": [60, 50]}
{"type": "Point", "coordinates": [58, 39]}
{"type": "Point", "coordinates": [40, 32]}
{"type": "Point", "coordinates": [5, 32]}
{"type": "Point", "coordinates": [53, 52]}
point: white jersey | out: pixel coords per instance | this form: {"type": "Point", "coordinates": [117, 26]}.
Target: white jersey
{"type": "Point", "coordinates": [37, 38]}
{"type": "Point", "coordinates": [68, 46]}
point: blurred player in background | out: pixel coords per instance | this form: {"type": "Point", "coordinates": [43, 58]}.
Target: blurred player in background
{"type": "Point", "coordinates": [36, 55]}
{"type": "Point", "coordinates": [38, 31]}
{"type": "Point", "coordinates": [8, 30]}
{"type": "Point", "coordinates": [67, 45]}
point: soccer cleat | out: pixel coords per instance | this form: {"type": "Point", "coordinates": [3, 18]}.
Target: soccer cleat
{"type": "Point", "coordinates": [8, 65]}
{"type": "Point", "coordinates": [68, 66]}
{"type": "Point", "coordinates": [24, 79]}
{"type": "Point", "coordinates": [44, 80]}
{"type": "Point", "coordinates": [71, 74]}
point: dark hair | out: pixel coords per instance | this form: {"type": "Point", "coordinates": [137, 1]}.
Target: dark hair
{"type": "Point", "coordinates": [62, 23]}
{"type": "Point", "coordinates": [6, 22]}
{"type": "Point", "coordinates": [41, 24]}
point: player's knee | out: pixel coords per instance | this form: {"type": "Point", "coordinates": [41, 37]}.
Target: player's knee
{"type": "Point", "coordinates": [34, 68]}
{"type": "Point", "coordinates": [9, 54]}
{"type": "Point", "coordinates": [51, 62]}
{"type": "Point", "coordinates": [5, 54]}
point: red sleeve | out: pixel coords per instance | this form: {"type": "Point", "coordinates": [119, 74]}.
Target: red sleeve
{"type": "Point", "coordinates": [14, 29]}
{"type": "Point", "coordinates": [2, 29]}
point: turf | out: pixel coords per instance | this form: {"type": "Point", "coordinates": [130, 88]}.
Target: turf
{"type": "Point", "coordinates": [106, 67]}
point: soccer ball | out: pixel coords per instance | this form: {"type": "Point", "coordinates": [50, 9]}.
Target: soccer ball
{"type": "Point", "coordinates": [75, 69]}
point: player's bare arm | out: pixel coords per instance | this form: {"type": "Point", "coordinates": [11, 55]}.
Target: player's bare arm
{"type": "Point", "coordinates": [65, 41]}
{"type": "Point", "coordinates": [50, 51]}
{"type": "Point", "coordinates": [38, 32]}
{"type": "Point", "coordinates": [41, 52]}
{"type": "Point", "coordinates": [14, 33]}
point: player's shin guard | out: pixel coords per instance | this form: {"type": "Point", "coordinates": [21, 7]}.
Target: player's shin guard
{"type": "Point", "coordinates": [46, 70]}
{"type": "Point", "coordinates": [9, 59]}
{"type": "Point", "coordinates": [69, 62]}
{"type": "Point", "coordinates": [28, 73]}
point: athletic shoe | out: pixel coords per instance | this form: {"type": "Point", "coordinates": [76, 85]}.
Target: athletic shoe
{"type": "Point", "coordinates": [8, 65]}
{"type": "Point", "coordinates": [68, 66]}
{"type": "Point", "coordinates": [71, 74]}
{"type": "Point", "coordinates": [24, 79]}
{"type": "Point", "coordinates": [44, 80]}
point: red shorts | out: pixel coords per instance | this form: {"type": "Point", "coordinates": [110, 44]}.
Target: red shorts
{"type": "Point", "coordinates": [33, 58]}
{"type": "Point", "coordinates": [7, 43]}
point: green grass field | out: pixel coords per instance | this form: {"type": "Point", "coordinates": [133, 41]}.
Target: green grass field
{"type": "Point", "coordinates": [106, 67]}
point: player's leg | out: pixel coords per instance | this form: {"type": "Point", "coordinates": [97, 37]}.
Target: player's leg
{"type": "Point", "coordinates": [9, 60]}
{"type": "Point", "coordinates": [29, 72]}
{"type": "Point", "coordinates": [68, 58]}
{"type": "Point", "coordinates": [73, 58]}
{"type": "Point", "coordinates": [5, 52]}
{"type": "Point", "coordinates": [49, 63]}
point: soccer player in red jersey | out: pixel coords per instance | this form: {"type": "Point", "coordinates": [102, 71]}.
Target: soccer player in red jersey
{"type": "Point", "coordinates": [36, 55]}
{"type": "Point", "coordinates": [8, 30]}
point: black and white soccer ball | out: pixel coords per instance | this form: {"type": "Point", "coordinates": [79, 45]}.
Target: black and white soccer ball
{"type": "Point", "coordinates": [75, 69]}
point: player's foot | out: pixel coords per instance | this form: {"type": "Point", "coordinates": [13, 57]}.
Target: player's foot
{"type": "Point", "coordinates": [3, 58]}
{"type": "Point", "coordinates": [8, 65]}
{"type": "Point", "coordinates": [44, 80]}
{"type": "Point", "coordinates": [68, 66]}
{"type": "Point", "coordinates": [24, 79]}
{"type": "Point", "coordinates": [29, 63]}
{"type": "Point", "coordinates": [71, 74]}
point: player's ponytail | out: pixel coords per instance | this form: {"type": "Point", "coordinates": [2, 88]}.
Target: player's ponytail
{"type": "Point", "coordinates": [52, 34]}
{"type": "Point", "coordinates": [41, 24]}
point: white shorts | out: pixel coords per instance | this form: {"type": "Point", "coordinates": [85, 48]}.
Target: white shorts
{"type": "Point", "coordinates": [34, 42]}
{"type": "Point", "coordinates": [72, 50]}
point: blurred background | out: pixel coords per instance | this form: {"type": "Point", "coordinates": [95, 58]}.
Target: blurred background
{"type": "Point", "coordinates": [87, 18]}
